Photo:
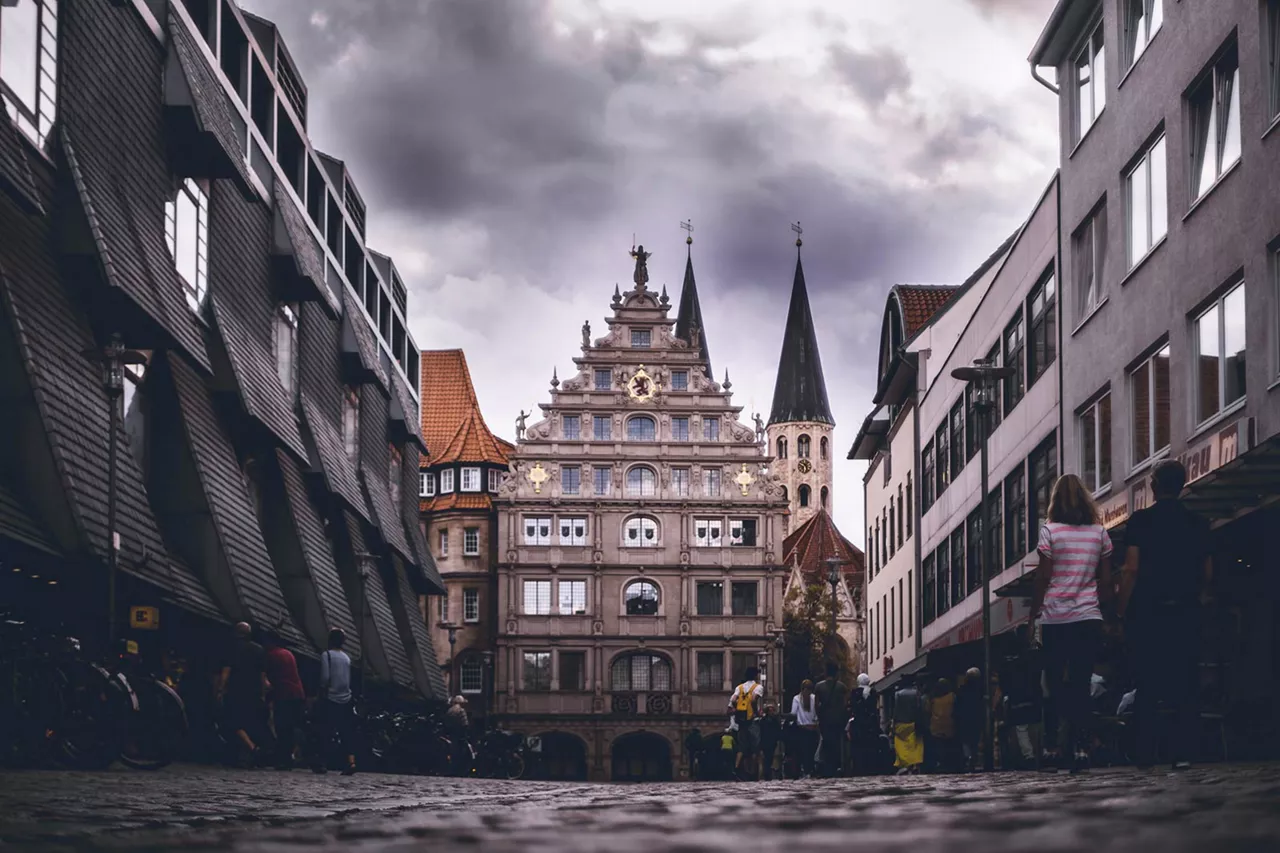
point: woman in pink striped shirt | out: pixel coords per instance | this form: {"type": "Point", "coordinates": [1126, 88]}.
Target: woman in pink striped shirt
{"type": "Point", "coordinates": [1075, 561]}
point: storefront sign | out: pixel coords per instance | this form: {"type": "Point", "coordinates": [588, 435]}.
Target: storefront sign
{"type": "Point", "coordinates": [1206, 456]}
{"type": "Point", "coordinates": [1006, 614]}
{"type": "Point", "coordinates": [1115, 511]}
{"type": "Point", "coordinates": [144, 618]}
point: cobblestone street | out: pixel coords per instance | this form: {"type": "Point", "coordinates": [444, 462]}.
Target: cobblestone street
{"type": "Point", "coordinates": [1212, 808]}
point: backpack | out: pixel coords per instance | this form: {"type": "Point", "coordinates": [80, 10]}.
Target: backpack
{"type": "Point", "coordinates": [744, 708]}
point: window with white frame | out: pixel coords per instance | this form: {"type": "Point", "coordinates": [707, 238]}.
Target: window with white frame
{"type": "Point", "coordinates": [641, 338]}
{"type": "Point", "coordinates": [426, 484]}
{"type": "Point", "coordinates": [537, 530]}
{"type": "Point", "coordinates": [570, 479]}
{"type": "Point", "coordinates": [640, 532]}
{"type": "Point", "coordinates": [446, 481]}
{"type": "Point", "coordinates": [641, 482]}
{"type": "Point", "coordinates": [573, 530]}
{"type": "Point", "coordinates": [443, 542]}
{"type": "Point", "coordinates": [1219, 372]}
{"type": "Point", "coordinates": [1095, 444]}
{"type": "Point", "coordinates": [286, 345]}
{"type": "Point", "coordinates": [471, 542]}
{"type": "Point", "coordinates": [470, 605]}
{"type": "Point", "coordinates": [1215, 122]}
{"type": "Point", "coordinates": [1141, 21]}
{"type": "Point", "coordinates": [395, 473]}
{"type": "Point", "coordinates": [710, 429]}
{"type": "Point", "coordinates": [679, 380]}
{"type": "Point", "coordinates": [1149, 393]}
{"type": "Point", "coordinates": [495, 479]}
{"type": "Point", "coordinates": [470, 479]}
{"type": "Point", "coordinates": [680, 482]}
{"type": "Point", "coordinates": [680, 429]}
{"type": "Point", "coordinates": [442, 613]}
{"type": "Point", "coordinates": [742, 532]}
{"type": "Point", "coordinates": [708, 532]}
{"type": "Point", "coordinates": [573, 598]}
{"type": "Point", "coordinates": [29, 65]}
{"type": "Point", "coordinates": [1089, 254]}
{"type": "Point", "coordinates": [571, 427]}
{"type": "Point", "coordinates": [1090, 89]}
{"type": "Point", "coordinates": [471, 675]}
{"type": "Point", "coordinates": [711, 482]}
{"type": "Point", "coordinates": [351, 426]}
{"type": "Point", "coordinates": [187, 233]}
{"type": "Point", "coordinates": [537, 598]}
{"type": "Point", "coordinates": [1147, 201]}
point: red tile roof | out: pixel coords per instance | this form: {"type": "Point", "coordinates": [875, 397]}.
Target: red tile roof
{"type": "Point", "coordinates": [817, 540]}
{"type": "Point", "coordinates": [440, 503]}
{"type": "Point", "coordinates": [452, 425]}
{"type": "Point", "coordinates": [920, 302]}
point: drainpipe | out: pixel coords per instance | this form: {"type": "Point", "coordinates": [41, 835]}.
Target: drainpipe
{"type": "Point", "coordinates": [917, 591]}
{"type": "Point", "coordinates": [1035, 75]}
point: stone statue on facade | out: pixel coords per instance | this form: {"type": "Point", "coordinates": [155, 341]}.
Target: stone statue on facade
{"type": "Point", "coordinates": [759, 426]}
{"type": "Point", "coordinates": [520, 422]}
{"type": "Point", "coordinates": [641, 277]}
{"type": "Point", "coordinates": [586, 333]}
{"type": "Point", "coordinates": [695, 336]}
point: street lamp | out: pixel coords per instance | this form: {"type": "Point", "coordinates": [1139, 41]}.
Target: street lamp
{"type": "Point", "coordinates": [984, 377]}
{"type": "Point", "coordinates": [779, 645]}
{"type": "Point", "coordinates": [454, 687]}
{"type": "Point", "coordinates": [833, 578]}
{"type": "Point", "coordinates": [488, 674]}
{"type": "Point", "coordinates": [365, 559]}
{"type": "Point", "coordinates": [113, 357]}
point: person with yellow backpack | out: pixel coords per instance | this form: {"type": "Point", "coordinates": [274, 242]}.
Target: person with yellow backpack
{"type": "Point", "coordinates": [744, 704]}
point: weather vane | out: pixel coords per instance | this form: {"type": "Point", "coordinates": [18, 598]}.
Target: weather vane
{"type": "Point", "coordinates": [796, 228]}
{"type": "Point", "coordinates": [687, 225]}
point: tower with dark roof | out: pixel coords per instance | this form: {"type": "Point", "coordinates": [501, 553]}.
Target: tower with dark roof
{"type": "Point", "coordinates": [689, 319]}
{"type": "Point", "coordinates": [800, 422]}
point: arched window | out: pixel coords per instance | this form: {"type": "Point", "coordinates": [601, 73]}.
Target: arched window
{"type": "Point", "coordinates": [641, 598]}
{"type": "Point", "coordinates": [802, 447]}
{"type": "Point", "coordinates": [804, 495]}
{"type": "Point", "coordinates": [782, 447]}
{"type": "Point", "coordinates": [822, 448]}
{"type": "Point", "coordinates": [784, 493]}
{"type": "Point", "coordinates": [641, 482]}
{"type": "Point", "coordinates": [640, 532]}
{"type": "Point", "coordinates": [640, 673]}
{"type": "Point", "coordinates": [641, 428]}
{"type": "Point", "coordinates": [822, 496]}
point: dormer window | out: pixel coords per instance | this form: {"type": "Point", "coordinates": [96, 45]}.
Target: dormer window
{"type": "Point", "coordinates": [186, 229]}
{"type": "Point", "coordinates": [28, 65]}
{"type": "Point", "coordinates": [470, 479]}
{"type": "Point", "coordinates": [446, 481]}
{"type": "Point", "coordinates": [604, 379]}
{"type": "Point", "coordinates": [641, 338]}
{"type": "Point", "coordinates": [426, 484]}
{"type": "Point", "coordinates": [679, 380]}
{"type": "Point", "coordinates": [495, 479]}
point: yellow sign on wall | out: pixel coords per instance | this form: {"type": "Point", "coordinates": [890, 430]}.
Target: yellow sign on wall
{"type": "Point", "coordinates": [144, 618]}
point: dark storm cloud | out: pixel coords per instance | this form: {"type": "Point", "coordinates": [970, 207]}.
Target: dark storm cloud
{"type": "Point", "coordinates": [872, 75]}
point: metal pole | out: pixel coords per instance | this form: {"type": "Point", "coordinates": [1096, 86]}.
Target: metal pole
{"type": "Point", "coordinates": [988, 755]}
{"type": "Point", "coordinates": [113, 550]}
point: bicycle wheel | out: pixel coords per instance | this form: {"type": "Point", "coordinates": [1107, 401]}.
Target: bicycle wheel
{"type": "Point", "coordinates": [94, 709]}
{"type": "Point", "coordinates": [157, 732]}
{"type": "Point", "coordinates": [514, 766]}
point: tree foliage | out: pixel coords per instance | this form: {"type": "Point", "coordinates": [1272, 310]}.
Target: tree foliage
{"type": "Point", "coordinates": [810, 643]}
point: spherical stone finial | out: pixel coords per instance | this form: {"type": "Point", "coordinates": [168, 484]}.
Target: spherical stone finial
{"type": "Point", "coordinates": [799, 242]}
{"type": "Point", "coordinates": [688, 241]}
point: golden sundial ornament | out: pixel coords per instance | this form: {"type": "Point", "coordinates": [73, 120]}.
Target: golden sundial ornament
{"type": "Point", "coordinates": [805, 466]}
{"type": "Point", "coordinates": [538, 475]}
{"type": "Point", "coordinates": [641, 386]}
{"type": "Point", "coordinates": [744, 479]}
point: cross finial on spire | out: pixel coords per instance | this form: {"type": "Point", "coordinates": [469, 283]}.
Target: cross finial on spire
{"type": "Point", "coordinates": [796, 228]}
{"type": "Point", "coordinates": [687, 225]}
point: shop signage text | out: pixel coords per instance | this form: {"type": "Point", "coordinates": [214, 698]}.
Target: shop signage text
{"type": "Point", "coordinates": [1006, 613]}
{"type": "Point", "coordinates": [144, 618]}
{"type": "Point", "coordinates": [1210, 454]}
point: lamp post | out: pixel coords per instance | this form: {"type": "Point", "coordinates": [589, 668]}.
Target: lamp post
{"type": "Point", "coordinates": [364, 559]}
{"type": "Point", "coordinates": [833, 578]}
{"type": "Point", "coordinates": [488, 684]}
{"type": "Point", "coordinates": [113, 357]}
{"type": "Point", "coordinates": [984, 377]}
{"type": "Point", "coordinates": [454, 687]}
{"type": "Point", "coordinates": [779, 644]}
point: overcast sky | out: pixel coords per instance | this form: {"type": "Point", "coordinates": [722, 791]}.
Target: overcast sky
{"type": "Point", "coordinates": [509, 149]}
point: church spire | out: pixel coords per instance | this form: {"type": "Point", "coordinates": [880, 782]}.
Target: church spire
{"type": "Point", "coordinates": [801, 392]}
{"type": "Point", "coordinates": [690, 313]}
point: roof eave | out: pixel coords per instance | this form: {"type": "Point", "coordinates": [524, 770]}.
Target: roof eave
{"type": "Point", "coordinates": [1059, 32]}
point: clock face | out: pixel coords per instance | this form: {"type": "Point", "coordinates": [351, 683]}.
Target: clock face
{"type": "Point", "coordinates": [641, 387]}
{"type": "Point", "coordinates": [805, 466]}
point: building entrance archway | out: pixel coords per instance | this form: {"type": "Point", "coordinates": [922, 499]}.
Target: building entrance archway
{"type": "Point", "coordinates": [641, 757]}
{"type": "Point", "coordinates": [563, 758]}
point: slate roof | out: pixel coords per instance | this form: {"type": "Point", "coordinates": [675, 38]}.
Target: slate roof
{"type": "Point", "coordinates": [15, 171]}
{"type": "Point", "coordinates": [296, 246]}
{"type": "Point", "coordinates": [358, 341]}
{"type": "Point", "coordinates": [15, 523]}
{"type": "Point", "coordinates": [452, 425]}
{"type": "Point", "coordinates": [801, 391]}
{"type": "Point", "coordinates": [690, 313]}
{"type": "Point", "coordinates": [423, 561]}
{"type": "Point", "coordinates": [814, 542]}
{"type": "Point", "coordinates": [387, 523]}
{"type": "Point", "coordinates": [385, 648]}
{"type": "Point", "coordinates": [331, 458]}
{"type": "Point", "coordinates": [404, 412]}
{"type": "Point", "coordinates": [413, 630]}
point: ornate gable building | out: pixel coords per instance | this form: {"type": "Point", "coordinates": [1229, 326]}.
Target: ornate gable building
{"type": "Point", "coordinates": [641, 538]}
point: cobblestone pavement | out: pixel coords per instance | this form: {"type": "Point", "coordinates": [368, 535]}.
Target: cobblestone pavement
{"type": "Point", "coordinates": [1218, 808]}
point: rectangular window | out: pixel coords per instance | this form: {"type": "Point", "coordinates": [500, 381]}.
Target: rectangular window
{"type": "Point", "coordinates": [573, 598]}
{"type": "Point", "coordinates": [680, 482]}
{"type": "Point", "coordinates": [641, 338]}
{"type": "Point", "coordinates": [892, 638]}
{"type": "Point", "coordinates": [928, 596]}
{"type": "Point", "coordinates": [1141, 21]}
{"type": "Point", "coordinates": [573, 671]}
{"type": "Point", "coordinates": [426, 484]}
{"type": "Point", "coordinates": [710, 596]}
{"type": "Point", "coordinates": [446, 481]}
{"type": "Point", "coordinates": [1272, 48]}
{"type": "Point", "coordinates": [711, 429]}
{"type": "Point", "coordinates": [743, 596]}
{"type": "Point", "coordinates": [1220, 355]}
{"type": "Point", "coordinates": [1149, 393]}
{"type": "Point", "coordinates": [573, 531]}
{"type": "Point", "coordinates": [29, 66]}
{"type": "Point", "coordinates": [444, 542]}
{"type": "Point", "coordinates": [957, 565]}
{"type": "Point", "coordinates": [927, 481]}
{"type": "Point", "coordinates": [495, 479]}
{"type": "Point", "coordinates": [972, 435]}
{"type": "Point", "coordinates": [537, 671]}
{"type": "Point", "coordinates": [1015, 517]}
{"type": "Point", "coordinates": [1090, 83]}
{"type": "Point", "coordinates": [893, 545]}
{"type": "Point", "coordinates": [995, 533]}
{"type": "Point", "coordinates": [1089, 254]}
{"type": "Point", "coordinates": [471, 605]}
{"type": "Point", "coordinates": [602, 480]}
{"type": "Point", "coordinates": [711, 482]}
{"type": "Point", "coordinates": [442, 615]}
{"type": "Point", "coordinates": [973, 551]}
{"type": "Point", "coordinates": [601, 427]}
{"type": "Point", "coordinates": [1042, 308]}
{"type": "Point", "coordinates": [739, 662]}
{"type": "Point", "coordinates": [471, 542]}
{"type": "Point", "coordinates": [1146, 192]}
{"type": "Point", "coordinates": [395, 473]}
{"type": "Point", "coordinates": [571, 427]}
{"type": "Point", "coordinates": [351, 425]}
{"type": "Point", "coordinates": [957, 439]}
{"type": "Point", "coordinates": [187, 233]}
{"type": "Point", "coordinates": [679, 429]}
{"type": "Point", "coordinates": [943, 593]}
{"type": "Point", "coordinates": [1095, 444]}
{"type": "Point", "coordinates": [711, 671]}
{"type": "Point", "coordinates": [1011, 356]}
{"type": "Point", "coordinates": [708, 532]}
{"type": "Point", "coordinates": [1215, 122]}
{"type": "Point", "coordinates": [679, 380]}
{"type": "Point", "coordinates": [942, 471]}
{"type": "Point", "coordinates": [570, 479]}
{"type": "Point", "coordinates": [911, 507]}
{"type": "Point", "coordinates": [742, 531]}
{"type": "Point", "coordinates": [470, 479]}
{"type": "Point", "coordinates": [537, 530]}
{"type": "Point", "coordinates": [537, 598]}
{"type": "Point", "coordinates": [604, 379]}
{"type": "Point", "coordinates": [993, 416]}
{"type": "Point", "coordinates": [1043, 464]}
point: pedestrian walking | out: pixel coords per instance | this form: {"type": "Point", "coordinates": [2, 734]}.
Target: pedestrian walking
{"type": "Point", "coordinates": [940, 748]}
{"type": "Point", "coordinates": [1075, 562]}
{"type": "Point", "coordinates": [908, 712]}
{"type": "Point", "coordinates": [457, 724]}
{"type": "Point", "coordinates": [1023, 694]}
{"type": "Point", "coordinates": [1166, 579]}
{"type": "Point", "coordinates": [770, 737]}
{"type": "Point", "coordinates": [804, 707]}
{"type": "Point", "coordinates": [334, 706]}
{"type": "Point", "coordinates": [693, 747]}
{"type": "Point", "coordinates": [969, 717]}
{"type": "Point", "coordinates": [288, 698]}
{"type": "Point", "coordinates": [863, 728]}
{"type": "Point", "coordinates": [745, 704]}
{"type": "Point", "coordinates": [242, 687]}
{"type": "Point", "coordinates": [833, 699]}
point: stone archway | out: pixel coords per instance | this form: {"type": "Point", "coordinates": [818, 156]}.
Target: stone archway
{"type": "Point", "coordinates": [563, 758]}
{"type": "Point", "coordinates": [640, 757]}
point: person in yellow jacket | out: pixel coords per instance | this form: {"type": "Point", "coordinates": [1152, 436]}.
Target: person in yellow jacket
{"type": "Point", "coordinates": [908, 711]}
{"type": "Point", "coordinates": [745, 704]}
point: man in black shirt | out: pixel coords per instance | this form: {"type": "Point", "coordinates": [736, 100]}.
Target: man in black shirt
{"type": "Point", "coordinates": [242, 686]}
{"type": "Point", "coordinates": [1167, 571]}
{"type": "Point", "coordinates": [833, 698]}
